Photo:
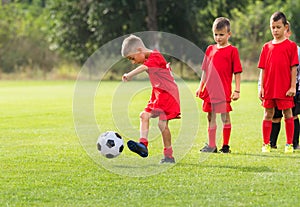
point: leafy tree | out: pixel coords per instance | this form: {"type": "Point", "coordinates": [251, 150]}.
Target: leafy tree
{"type": "Point", "coordinates": [79, 28]}
{"type": "Point", "coordinates": [23, 43]}
{"type": "Point", "coordinates": [214, 9]}
{"type": "Point", "coordinates": [293, 9]}
{"type": "Point", "coordinates": [251, 27]}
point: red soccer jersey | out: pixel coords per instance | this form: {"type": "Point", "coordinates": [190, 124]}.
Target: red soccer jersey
{"type": "Point", "coordinates": [276, 60]}
{"type": "Point", "coordinates": [165, 96]}
{"type": "Point", "coordinates": [219, 64]}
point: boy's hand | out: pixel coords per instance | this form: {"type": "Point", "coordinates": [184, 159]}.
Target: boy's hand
{"type": "Point", "coordinates": [125, 78]}
{"type": "Point", "coordinates": [235, 95]}
{"type": "Point", "coordinates": [291, 92]}
{"type": "Point", "coordinates": [261, 94]}
{"type": "Point", "coordinates": [201, 86]}
{"type": "Point", "coordinates": [198, 92]}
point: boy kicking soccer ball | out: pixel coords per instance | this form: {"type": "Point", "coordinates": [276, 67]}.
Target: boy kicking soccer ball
{"type": "Point", "coordinates": [164, 102]}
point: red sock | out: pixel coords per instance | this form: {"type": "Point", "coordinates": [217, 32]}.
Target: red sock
{"type": "Point", "coordinates": [168, 152]}
{"type": "Point", "coordinates": [212, 136]}
{"type": "Point", "coordinates": [266, 130]}
{"type": "Point", "coordinates": [226, 133]}
{"type": "Point", "coordinates": [144, 141]}
{"type": "Point", "coordinates": [289, 130]}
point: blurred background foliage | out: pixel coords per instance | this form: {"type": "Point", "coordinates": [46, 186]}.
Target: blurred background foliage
{"type": "Point", "coordinates": [53, 38]}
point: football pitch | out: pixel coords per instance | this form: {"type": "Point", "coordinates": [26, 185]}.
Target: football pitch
{"type": "Point", "coordinates": [44, 163]}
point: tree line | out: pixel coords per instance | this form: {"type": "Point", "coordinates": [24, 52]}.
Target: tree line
{"type": "Point", "coordinates": [41, 35]}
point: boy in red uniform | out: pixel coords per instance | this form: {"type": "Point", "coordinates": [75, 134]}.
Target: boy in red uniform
{"type": "Point", "coordinates": [220, 63]}
{"type": "Point", "coordinates": [278, 62]}
{"type": "Point", "coordinates": [276, 120]}
{"type": "Point", "coordinates": [164, 102]}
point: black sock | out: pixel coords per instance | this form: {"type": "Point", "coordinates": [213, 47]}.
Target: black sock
{"type": "Point", "coordinates": [274, 133]}
{"type": "Point", "coordinates": [296, 133]}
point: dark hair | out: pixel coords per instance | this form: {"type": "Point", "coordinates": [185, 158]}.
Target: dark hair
{"type": "Point", "coordinates": [220, 23]}
{"type": "Point", "coordinates": [277, 16]}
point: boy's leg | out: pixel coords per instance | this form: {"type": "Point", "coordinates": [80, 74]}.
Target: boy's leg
{"type": "Point", "coordinates": [226, 132]}
{"type": "Point", "coordinates": [212, 129]}
{"type": "Point", "coordinates": [267, 128]}
{"type": "Point", "coordinates": [141, 147]}
{"type": "Point", "coordinates": [276, 125]}
{"type": "Point", "coordinates": [296, 120]}
{"type": "Point", "coordinates": [296, 133]}
{"type": "Point", "coordinates": [289, 125]}
{"type": "Point", "coordinates": [165, 132]}
{"type": "Point", "coordinates": [167, 141]}
{"type": "Point", "coordinates": [144, 127]}
{"type": "Point", "coordinates": [226, 128]}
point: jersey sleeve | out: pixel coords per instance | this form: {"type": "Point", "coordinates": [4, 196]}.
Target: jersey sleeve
{"type": "Point", "coordinates": [294, 57]}
{"type": "Point", "coordinates": [262, 59]}
{"type": "Point", "coordinates": [205, 62]}
{"type": "Point", "coordinates": [237, 66]}
{"type": "Point", "coordinates": [155, 62]}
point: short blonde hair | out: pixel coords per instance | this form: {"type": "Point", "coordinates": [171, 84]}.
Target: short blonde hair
{"type": "Point", "coordinates": [221, 23]}
{"type": "Point", "coordinates": [131, 44]}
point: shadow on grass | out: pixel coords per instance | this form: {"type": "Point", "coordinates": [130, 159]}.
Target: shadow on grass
{"type": "Point", "coordinates": [225, 162]}
{"type": "Point", "coordinates": [142, 166]}
{"type": "Point", "coordinates": [241, 168]}
{"type": "Point", "coordinates": [227, 166]}
{"type": "Point", "coordinates": [271, 155]}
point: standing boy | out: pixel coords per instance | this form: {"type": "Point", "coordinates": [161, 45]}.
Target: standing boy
{"type": "Point", "coordinates": [276, 120]}
{"type": "Point", "coordinates": [278, 62]}
{"type": "Point", "coordinates": [164, 102]}
{"type": "Point", "coordinates": [220, 63]}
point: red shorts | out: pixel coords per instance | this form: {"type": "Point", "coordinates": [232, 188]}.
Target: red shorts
{"type": "Point", "coordinates": [163, 105]}
{"type": "Point", "coordinates": [222, 107]}
{"type": "Point", "coordinates": [162, 115]}
{"type": "Point", "coordinates": [281, 104]}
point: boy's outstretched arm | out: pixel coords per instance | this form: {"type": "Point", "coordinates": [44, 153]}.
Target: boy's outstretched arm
{"type": "Point", "coordinates": [236, 93]}
{"type": "Point", "coordinates": [136, 71]}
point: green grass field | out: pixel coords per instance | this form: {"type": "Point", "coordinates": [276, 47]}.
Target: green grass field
{"type": "Point", "coordinates": [44, 163]}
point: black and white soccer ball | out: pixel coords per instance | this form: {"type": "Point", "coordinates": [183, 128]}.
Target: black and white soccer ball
{"type": "Point", "coordinates": [110, 144]}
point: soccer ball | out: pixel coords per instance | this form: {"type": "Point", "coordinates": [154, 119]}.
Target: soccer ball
{"type": "Point", "coordinates": [110, 144]}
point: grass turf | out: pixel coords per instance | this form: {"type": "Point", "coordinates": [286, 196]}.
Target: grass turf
{"type": "Point", "coordinates": [43, 163]}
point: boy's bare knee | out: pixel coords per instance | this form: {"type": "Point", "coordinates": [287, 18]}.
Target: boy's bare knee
{"type": "Point", "coordinates": [145, 115]}
{"type": "Point", "coordinates": [287, 113]}
{"type": "Point", "coordinates": [225, 118]}
{"type": "Point", "coordinates": [268, 116]}
{"type": "Point", "coordinates": [269, 113]}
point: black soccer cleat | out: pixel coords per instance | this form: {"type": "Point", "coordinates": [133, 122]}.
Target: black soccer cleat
{"type": "Point", "coordinates": [225, 149]}
{"type": "Point", "coordinates": [138, 148]}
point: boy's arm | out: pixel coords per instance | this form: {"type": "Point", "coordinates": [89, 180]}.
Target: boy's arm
{"type": "Point", "coordinates": [200, 88]}
{"type": "Point", "coordinates": [136, 71]}
{"type": "Point", "coordinates": [259, 82]}
{"type": "Point", "coordinates": [292, 90]}
{"type": "Point", "coordinates": [236, 93]}
{"type": "Point", "coordinates": [261, 91]}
